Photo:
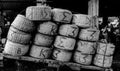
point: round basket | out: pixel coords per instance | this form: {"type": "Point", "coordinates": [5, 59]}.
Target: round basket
{"type": "Point", "coordinates": [38, 13]}
{"type": "Point", "coordinates": [62, 55]}
{"type": "Point", "coordinates": [89, 34]}
{"type": "Point", "coordinates": [82, 58]}
{"type": "Point", "coordinates": [103, 61]}
{"type": "Point", "coordinates": [82, 20]}
{"type": "Point", "coordinates": [62, 15]}
{"type": "Point", "coordinates": [17, 36]}
{"type": "Point", "coordinates": [48, 28]}
{"type": "Point", "coordinates": [15, 49]}
{"type": "Point", "coordinates": [23, 24]}
{"type": "Point", "coordinates": [43, 40]}
{"type": "Point", "coordinates": [68, 30]}
{"type": "Point", "coordinates": [63, 42]}
{"type": "Point", "coordinates": [105, 48]}
{"type": "Point", "coordinates": [86, 47]}
{"type": "Point", "coordinates": [40, 51]}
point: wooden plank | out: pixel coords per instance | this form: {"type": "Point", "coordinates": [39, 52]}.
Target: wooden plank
{"type": "Point", "coordinates": [93, 10]}
{"type": "Point", "coordinates": [52, 63]}
{"type": "Point", "coordinates": [93, 7]}
{"type": "Point", "coordinates": [89, 8]}
{"type": "Point", "coordinates": [85, 66]}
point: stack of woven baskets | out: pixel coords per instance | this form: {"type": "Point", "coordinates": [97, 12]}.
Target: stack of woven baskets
{"type": "Point", "coordinates": [71, 37]}
{"type": "Point", "coordinates": [19, 36]}
{"type": "Point", "coordinates": [46, 30]}
{"type": "Point", "coordinates": [104, 56]}
{"type": "Point", "coordinates": [87, 38]}
{"type": "Point", "coordinates": [65, 40]}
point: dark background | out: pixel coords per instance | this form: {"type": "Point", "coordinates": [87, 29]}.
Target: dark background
{"type": "Point", "coordinates": [107, 7]}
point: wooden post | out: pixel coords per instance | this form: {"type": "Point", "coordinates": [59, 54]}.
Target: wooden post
{"type": "Point", "coordinates": [93, 7]}
{"type": "Point", "coordinates": [93, 10]}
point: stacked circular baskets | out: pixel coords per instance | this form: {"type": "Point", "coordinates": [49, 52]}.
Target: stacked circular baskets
{"type": "Point", "coordinates": [43, 22]}
{"type": "Point", "coordinates": [104, 57]}
{"type": "Point", "coordinates": [19, 36]}
{"type": "Point", "coordinates": [46, 30]}
{"type": "Point", "coordinates": [65, 40]}
{"type": "Point", "coordinates": [86, 43]}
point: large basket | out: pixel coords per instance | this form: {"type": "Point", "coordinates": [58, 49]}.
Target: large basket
{"type": "Point", "coordinates": [89, 34]}
{"type": "Point", "coordinates": [24, 24]}
{"type": "Point", "coordinates": [103, 61]}
{"type": "Point", "coordinates": [62, 15]}
{"type": "Point", "coordinates": [40, 51]}
{"type": "Point", "coordinates": [15, 49]}
{"type": "Point", "coordinates": [86, 47]}
{"type": "Point", "coordinates": [43, 40]}
{"type": "Point", "coordinates": [48, 28]}
{"type": "Point", "coordinates": [63, 42]}
{"type": "Point", "coordinates": [69, 30]}
{"type": "Point", "coordinates": [105, 48]}
{"type": "Point", "coordinates": [17, 36]}
{"type": "Point", "coordinates": [81, 58]}
{"type": "Point", "coordinates": [82, 20]}
{"type": "Point", "coordinates": [62, 55]}
{"type": "Point", "coordinates": [38, 13]}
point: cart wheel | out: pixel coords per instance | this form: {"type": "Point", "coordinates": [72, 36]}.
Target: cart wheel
{"type": "Point", "coordinates": [109, 69]}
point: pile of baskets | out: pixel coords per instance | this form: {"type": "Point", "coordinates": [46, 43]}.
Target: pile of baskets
{"type": "Point", "coordinates": [57, 34]}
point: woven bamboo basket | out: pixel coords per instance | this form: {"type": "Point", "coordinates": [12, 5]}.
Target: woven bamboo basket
{"type": "Point", "coordinates": [69, 30]}
{"type": "Point", "coordinates": [103, 61]}
{"type": "Point", "coordinates": [38, 13]}
{"type": "Point", "coordinates": [81, 58]}
{"type": "Point", "coordinates": [40, 51]}
{"type": "Point", "coordinates": [62, 55]}
{"type": "Point", "coordinates": [48, 28]}
{"type": "Point", "coordinates": [17, 36]}
{"type": "Point", "coordinates": [43, 40]}
{"type": "Point", "coordinates": [62, 15]}
{"type": "Point", "coordinates": [15, 49]}
{"type": "Point", "coordinates": [63, 42]}
{"type": "Point", "coordinates": [23, 24]}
